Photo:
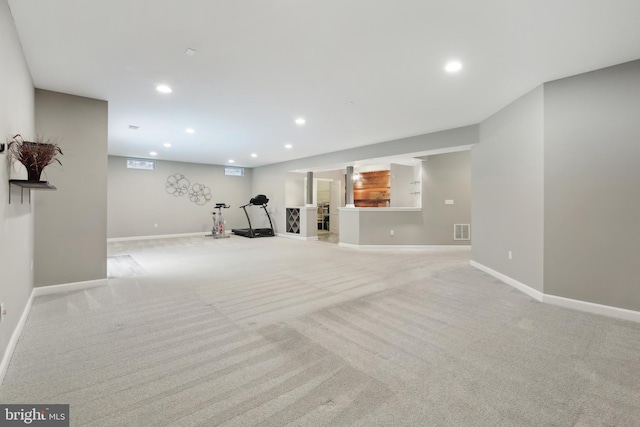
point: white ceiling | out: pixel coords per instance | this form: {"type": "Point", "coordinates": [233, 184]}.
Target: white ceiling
{"type": "Point", "coordinates": [359, 71]}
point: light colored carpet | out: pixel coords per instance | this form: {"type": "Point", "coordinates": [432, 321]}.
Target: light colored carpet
{"type": "Point", "coordinates": [275, 332]}
{"type": "Point", "coordinates": [122, 266]}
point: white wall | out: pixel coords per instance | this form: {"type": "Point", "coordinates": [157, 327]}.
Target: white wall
{"type": "Point", "coordinates": [295, 189]}
{"type": "Point", "coordinates": [16, 220]}
{"type": "Point", "coordinates": [402, 186]}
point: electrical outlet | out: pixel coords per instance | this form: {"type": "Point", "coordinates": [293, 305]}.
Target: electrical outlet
{"type": "Point", "coordinates": [510, 255]}
{"type": "Point", "coordinates": [391, 232]}
{"type": "Point", "coordinates": [155, 225]}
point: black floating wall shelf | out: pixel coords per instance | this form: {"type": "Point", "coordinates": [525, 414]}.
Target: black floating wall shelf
{"type": "Point", "coordinates": [30, 185]}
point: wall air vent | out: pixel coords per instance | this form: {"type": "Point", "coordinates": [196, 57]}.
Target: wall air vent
{"type": "Point", "coordinates": [461, 231]}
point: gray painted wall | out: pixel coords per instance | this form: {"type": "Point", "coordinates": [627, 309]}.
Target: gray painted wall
{"type": "Point", "coordinates": [446, 177]}
{"type": "Point", "coordinates": [592, 187]}
{"type": "Point", "coordinates": [71, 223]}
{"type": "Point", "coordinates": [16, 220]}
{"type": "Point", "coordinates": [349, 226]}
{"type": "Point", "coordinates": [409, 228]}
{"type": "Point", "coordinates": [507, 199]}
{"type": "Point", "coordinates": [270, 180]}
{"type": "Point", "coordinates": [138, 199]}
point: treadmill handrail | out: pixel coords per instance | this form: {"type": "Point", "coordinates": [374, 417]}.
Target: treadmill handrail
{"type": "Point", "coordinates": [244, 208]}
{"type": "Point", "coordinates": [264, 206]}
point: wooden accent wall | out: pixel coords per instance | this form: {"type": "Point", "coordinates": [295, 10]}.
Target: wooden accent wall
{"type": "Point", "coordinates": [372, 190]}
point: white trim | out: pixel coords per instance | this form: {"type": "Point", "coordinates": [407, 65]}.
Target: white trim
{"type": "Point", "coordinates": [533, 293]}
{"type": "Point", "coordinates": [68, 287]}
{"type": "Point", "coordinates": [585, 306]}
{"type": "Point", "coordinates": [158, 236]}
{"type": "Point", "coordinates": [439, 247]}
{"type": "Point", "coordinates": [43, 290]}
{"type": "Point", "coordinates": [296, 237]}
{"type": "Point", "coordinates": [590, 307]}
{"type": "Point", "coordinates": [17, 332]}
{"type": "Point", "coordinates": [348, 245]}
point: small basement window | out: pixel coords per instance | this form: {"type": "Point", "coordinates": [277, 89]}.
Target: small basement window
{"type": "Point", "coordinates": [234, 171]}
{"type": "Point", "coordinates": [147, 165]}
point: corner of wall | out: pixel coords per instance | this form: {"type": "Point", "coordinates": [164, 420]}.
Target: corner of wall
{"type": "Point", "coordinates": [16, 219]}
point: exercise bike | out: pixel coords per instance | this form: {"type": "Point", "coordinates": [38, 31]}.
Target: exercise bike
{"type": "Point", "coordinates": [218, 232]}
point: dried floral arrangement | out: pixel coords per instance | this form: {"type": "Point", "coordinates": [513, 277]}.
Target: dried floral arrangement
{"type": "Point", "coordinates": [34, 155]}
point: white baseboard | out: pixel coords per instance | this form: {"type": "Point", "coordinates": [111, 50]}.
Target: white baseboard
{"type": "Point", "coordinates": [158, 236]}
{"type": "Point", "coordinates": [43, 290]}
{"type": "Point", "coordinates": [68, 287]}
{"type": "Point", "coordinates": [590, 307]}
{"type": "Point", "coordinates": [585, 306]}
{"type": "Point", "coordinates": [533, 293]}
{"type": "Point", "coordinates": [437, 247]}
{"type": "Point", "coordinates": [348, 245]}
{"type": "Point", "coordinates": [8, 353]}
{"type": "Point", "coordinates": [296, 237]}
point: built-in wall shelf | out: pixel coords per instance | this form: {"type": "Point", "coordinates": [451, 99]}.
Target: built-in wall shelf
{"type": "Point", "coordinates": [323, 217]}
{"type": "Point", "coordinates": [29, 185]}
{"type": "Point", "coordinates": [293, 220]}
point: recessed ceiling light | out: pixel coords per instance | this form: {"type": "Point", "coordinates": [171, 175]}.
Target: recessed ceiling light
{"type": "Point", "coordinates": [231, 161]}
{"type": "Point", "coordinates": [167, 144]}
{"type": "Point", "coordinates": [153, 153]}
{"type": "Point", "coordinates": [287, 146]}
{"type": "Point", "coordinates": [300, 121]}
{"type": "Point", "coordinates": [163, 89]}
{"type": "Point", "coordinates": [134, 127]}
{"type": "Point", "coordinates": [453, 66]}
{"type": "Point", "coordinates": [190, 130]}
{"type": "Point", "coordinates": [254, 155]}
{"type": "Point", "coordinates": [190, 52]}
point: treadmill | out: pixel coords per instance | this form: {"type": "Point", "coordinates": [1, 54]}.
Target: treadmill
{"type": "Point", "coordinates": [260, 200]}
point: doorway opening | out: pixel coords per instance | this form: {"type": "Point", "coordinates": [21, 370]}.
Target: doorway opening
{"type": "Point", "coordinates": [327, 199]}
